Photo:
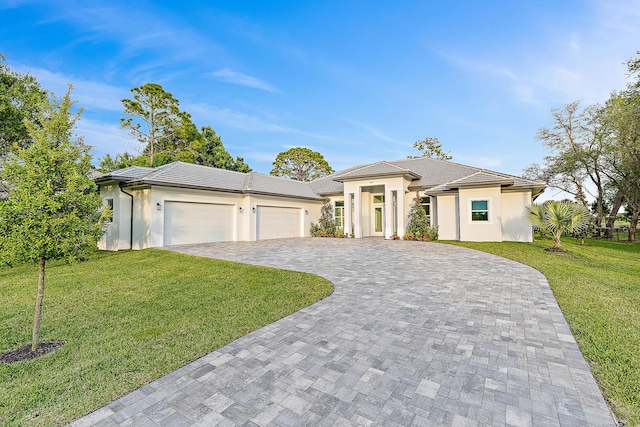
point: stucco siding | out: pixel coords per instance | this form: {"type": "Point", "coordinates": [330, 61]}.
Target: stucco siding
{"type": "Point", "coordinates": [515, 226]}
{"type": "Point", "coordinates": [310, 211]}
{"type": "Point", "coordinates": [447, 217]}
{"type": "Point", "coordinates": [116, 233]}
{"type": "Point", "coordinates": [481, 231]}
{"type": "Point", "coordinates": [142, 217]}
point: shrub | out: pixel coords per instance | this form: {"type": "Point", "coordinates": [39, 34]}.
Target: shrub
{"type": "Point", "coordinates": [559, 217]}
{"type": "Point", "coordinates": [418, 226]}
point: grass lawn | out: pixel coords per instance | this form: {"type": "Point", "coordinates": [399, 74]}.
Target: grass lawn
{"type": "Point", "coordinates": [598, 289]}
{"type": "Point", "coordinates": [129, 318]}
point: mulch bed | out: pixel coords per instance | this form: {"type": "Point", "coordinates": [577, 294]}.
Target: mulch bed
{"type": "Point", "coordinates": [24, 353]}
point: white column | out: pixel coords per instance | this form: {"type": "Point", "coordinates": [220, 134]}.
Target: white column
{"type": "Point", "coordinates": [347, 213]}
{"type": "Point", "coordinates": [357, 221]}
{"type": "Point", "coordinates": [388, 212]}
{"type": "Point", "coordinates": [402, 215]}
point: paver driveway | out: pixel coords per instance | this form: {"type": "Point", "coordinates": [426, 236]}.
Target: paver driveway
{"type": "Point", "coordinates": [414, 334]}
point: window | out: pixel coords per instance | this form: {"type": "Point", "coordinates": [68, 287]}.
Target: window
{"type": "Point", "coordinates": [378, 198]}
{"type": "Point", "coordinates": [339, 215]}
{"type": "Point", "coordinates": [479, 210]}
{"type": "Point", "coordinates": [110, 206]}
{"type": "Point", "coordinates": [425, 202]}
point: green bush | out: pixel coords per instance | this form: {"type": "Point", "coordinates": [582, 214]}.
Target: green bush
{"type": "Point", "coordinates": [418, 226]}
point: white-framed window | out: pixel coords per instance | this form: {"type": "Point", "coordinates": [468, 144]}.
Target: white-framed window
{"type": "Point", "coordinates": [339, 214]}
{"type": "Point", "coordinates": [109, 203]}
{"type": "Point", "coordinates": [425, 202]}
{"type": "Point", "coordinates": [480, 210]}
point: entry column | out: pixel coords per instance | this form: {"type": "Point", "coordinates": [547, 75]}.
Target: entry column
{"type": "Point", "coordinates": [389, 213]}
{"type": "Point", "coordinates": [357, 221]}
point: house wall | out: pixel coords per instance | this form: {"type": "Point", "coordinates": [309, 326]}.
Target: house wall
{"type": "Point", "coordinates": [447, 217]}
{"type": "Point", "coordinates": [363, 191]}
{"type": "Point", "coordinates": [116, 232]}
{"type": "Point", "coordinates": [309, 210]}
{"type": "Point", "coordinates": [480, 231]}
{"type": "Point", "coordinates": [142, 218]}
{"type": "Point", "coordinates": [161, 195]}
{"type": "Point", "coordinates": [149, 213]}
{"type": "Point", "coordinates": [515, 225]}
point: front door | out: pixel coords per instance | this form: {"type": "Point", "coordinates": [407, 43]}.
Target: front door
{"type": "Point", "coordinates": [377, 225]}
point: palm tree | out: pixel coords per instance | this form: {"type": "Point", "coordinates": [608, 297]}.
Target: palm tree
{"type": "Point", "coordinates": [557, 217]}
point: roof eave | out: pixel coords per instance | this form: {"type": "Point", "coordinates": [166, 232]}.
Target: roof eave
{"type": "Point", "coordinates": [147, 183]}
{"type": "Point", "coordinates": [409, 175]}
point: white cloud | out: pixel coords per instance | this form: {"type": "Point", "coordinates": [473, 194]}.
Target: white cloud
{"type": "Point", "coordinates": [103, 137]}
{"type": "Point", "coordinates": [224, 116]}
{"type": "Point", "coordinates": [89, 94]}
{"type": "Point", "coordinates": [584, 62]}
{"type": "Point", "coordinates": [479, 161]}
{"type": "Point", "coordinates": [229, 76]}
{"type": "Point", "coordinates": [376, 133]}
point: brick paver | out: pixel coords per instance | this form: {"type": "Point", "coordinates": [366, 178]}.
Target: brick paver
{"type": "Point", "coordinates": [415, 333]}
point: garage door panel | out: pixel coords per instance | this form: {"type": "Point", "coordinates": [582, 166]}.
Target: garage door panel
{"type": "Point", "coordinates": [186, 223]}
{"type": "Point", "coordinates": [278, 222]}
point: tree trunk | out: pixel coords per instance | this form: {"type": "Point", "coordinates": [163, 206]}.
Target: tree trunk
{"type": "Point", "coordinates": [612, 216]}
{"type": "Point", "coordinates": [557, 244]}
{"type": "Point", "coordinates": [35, 342]}
{"type": "Point", "coordinates": [633, 225]}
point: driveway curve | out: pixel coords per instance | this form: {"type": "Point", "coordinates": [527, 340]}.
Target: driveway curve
{"type": "Point", "coordinates": [415, 333]}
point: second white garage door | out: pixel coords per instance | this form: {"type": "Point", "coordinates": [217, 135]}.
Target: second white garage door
{"type": "Point", "coordinates": [278, 223]}
{"type": "Point", "coordinates": [186, 223]}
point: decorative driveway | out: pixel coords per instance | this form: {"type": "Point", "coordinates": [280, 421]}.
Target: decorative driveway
{"type": "Point", "coordinates": [415, 333]}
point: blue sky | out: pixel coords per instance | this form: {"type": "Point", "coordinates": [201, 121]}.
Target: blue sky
{"type": "Point", "coordinates": [358, 81]}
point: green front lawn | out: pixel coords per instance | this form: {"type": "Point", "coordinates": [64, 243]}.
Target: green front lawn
{"type": "Point", "coordinates": [129, 318]}
{"type": "Point", "coordinates": [598, 288]}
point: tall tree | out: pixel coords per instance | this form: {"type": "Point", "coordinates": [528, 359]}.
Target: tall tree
{"type": "Point", "coordinates": [209, 151]}
{"type": "Point", "coordinates": [202, 148]}
{"type": "Point", "coordinates": [430, 147]}
{"type": "Point", "coordinates": [578, 140]}
{"type": "Point", "coordinates": [301, 164]}
{"type": "Point", "coordinates": [153, 116]}
{"type": "Point", "coordinates": [624, 160]}
{"type": "Point", "coordinates": [20, 98]}
{"type": "Point", "coordinates": [53, 208]}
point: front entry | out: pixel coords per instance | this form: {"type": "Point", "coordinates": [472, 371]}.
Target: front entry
{"type": "Point", "coordinates": [377, 217]}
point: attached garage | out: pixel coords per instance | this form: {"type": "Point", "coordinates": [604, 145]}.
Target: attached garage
{"type": "Point", "coordinates": [186, 222]}
{"type": "Point", "coordinates": [278, 222]}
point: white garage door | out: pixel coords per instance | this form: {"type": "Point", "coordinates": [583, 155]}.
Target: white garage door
{"type": "Point", "coordinates": [278, 223]}
{"type": "Point", "coordinates": [197, 223]}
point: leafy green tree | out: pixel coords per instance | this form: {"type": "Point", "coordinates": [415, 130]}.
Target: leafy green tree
{"type": "Point", "coordinates": [154, 116]}
{"type": "Point", "coordinates": [430, 147]}
{"type": "Point", "coordinates": [120, 161]}
{"type": "Point", "coordinates": [301, 164]}
{"type": "Point", "coordinates": [417, 220]}
{"type": "Point", "coordinates": [558, 217]}
{"type": "Point", "coordinates": [578, 141]}
{"type": "Point", "coordinates": [209, 151]}
{"type": "Point", "coordinates": [326, 222]}
{"type": "Point", "coordinates": [20, 98]}
{"type": "Point", "coordinates": [53, 208]}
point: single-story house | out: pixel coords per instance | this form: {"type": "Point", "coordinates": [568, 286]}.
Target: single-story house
{"type": "Point", "coordinates": [183, 203]}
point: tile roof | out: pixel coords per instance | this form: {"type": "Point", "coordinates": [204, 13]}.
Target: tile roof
{"type": "Point", "coordinates": [375, 169]}
{"type": "Point", "coordinates": [268, 184]}
{"type": "Point", "coordinates": [188, 175]}
{"type": "Point", "coordinates": [482, 177]}
{"type": "Point", "coordinates": [434, 171]}
{"type": "Point", "coordinates": [430, 175]}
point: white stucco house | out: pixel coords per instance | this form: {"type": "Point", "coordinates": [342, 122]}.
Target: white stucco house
{"type": "Point", "coordinates": [183, 203]}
